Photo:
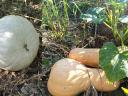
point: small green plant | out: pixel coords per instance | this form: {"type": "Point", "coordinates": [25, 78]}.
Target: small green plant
{"type": "Point", "coordinates": [94, 15]}
{"type": "Point", "coordinates": [54, 17]}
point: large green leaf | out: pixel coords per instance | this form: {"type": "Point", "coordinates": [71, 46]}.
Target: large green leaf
{"type": "Point", "coordinates": [113, 62]}
{"type": "Point", "coordinates": [94, 15]}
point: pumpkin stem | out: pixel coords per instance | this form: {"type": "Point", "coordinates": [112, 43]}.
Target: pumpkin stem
{"type": "Point", "coordinates": [25, 46]}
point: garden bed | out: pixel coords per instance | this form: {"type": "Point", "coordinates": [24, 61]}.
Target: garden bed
{"type": "Point", "coordinates": [54, 45]}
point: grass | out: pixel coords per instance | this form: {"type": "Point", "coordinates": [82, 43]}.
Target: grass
{"type": "Point", "coordinates": [55, 18]}
{"type": "Point", "coordinates": [113, 15]}
{"type": "Point", "coordinates": [57, 15]}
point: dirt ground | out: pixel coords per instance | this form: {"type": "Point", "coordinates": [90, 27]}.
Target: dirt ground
{"type": "Point", "coordinates": [32, 81]}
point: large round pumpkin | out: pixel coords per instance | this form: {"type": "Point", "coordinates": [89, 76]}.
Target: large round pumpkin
{"type": "Point", "coordinates": [19, 43]}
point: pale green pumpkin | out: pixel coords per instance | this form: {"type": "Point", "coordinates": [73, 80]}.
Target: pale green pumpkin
{"type": "Point", "coordinates": [19, 43]}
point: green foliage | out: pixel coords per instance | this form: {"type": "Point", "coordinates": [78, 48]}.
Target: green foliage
{"type": "Point", "coordinates": [46, 62]}
{"type": "Point", "coordinates": [76, 8]}
{"type": "Point", "coordinates": [114, 62]}
{"type": "Point", "coordinates": [94, 15]}
{"type": "Point", "coordinates": [112, 14]}
{"type": "Point", "coordinates": [56, 19]}
{"type": "Point", "coordinates": [115, 11]}
{"type": "Point", "coordinates": [94, 3]}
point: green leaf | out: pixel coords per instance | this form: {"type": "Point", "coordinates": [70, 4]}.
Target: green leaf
{"type": "Point", "coordinates": [88, 17]}
{"type": "Point", "coordinates": [96, 11]}
{"type": "Point", "coordinates": [124, 19]}
{"type": "Point", "coordinates": [95, 15]}
{"type": "Point", "coordinates": [113, 62]}
{"type": "Point", "coordinates": [125, 62]}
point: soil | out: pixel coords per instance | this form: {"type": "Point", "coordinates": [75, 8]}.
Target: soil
{"type": "Point", "coordinates": [32, 81]}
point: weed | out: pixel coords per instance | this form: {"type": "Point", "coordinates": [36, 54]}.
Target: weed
{"type": "Point", "coordinates": [114, 10]}
{"type": "Point", "coordinates": [54, 17]}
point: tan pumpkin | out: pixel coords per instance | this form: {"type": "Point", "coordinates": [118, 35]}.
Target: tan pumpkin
{"type": "Point", "coordinates": [87, 56]}
{"type": "Point", "coordinates": [69, 77]}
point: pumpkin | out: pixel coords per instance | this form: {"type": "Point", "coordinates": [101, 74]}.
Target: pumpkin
{"type": "Point", "coordinates": [87, 56]}
{"type": "Point", "coordinates": [19, 43]}
{"type": "Point", "coordinates": [69, 77]}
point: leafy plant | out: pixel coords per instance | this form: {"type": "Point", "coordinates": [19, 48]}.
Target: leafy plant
{"type": "Point", "coordinates": [112, 14]}
{"type": "Point", "coordinates": [114, 62]}
{"type": "Point", "coordinates": [115, 16]}
{"type": "Point", "coordinates": [112, 59]}
{"type": "Point", "coordinates": [94, 15]}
